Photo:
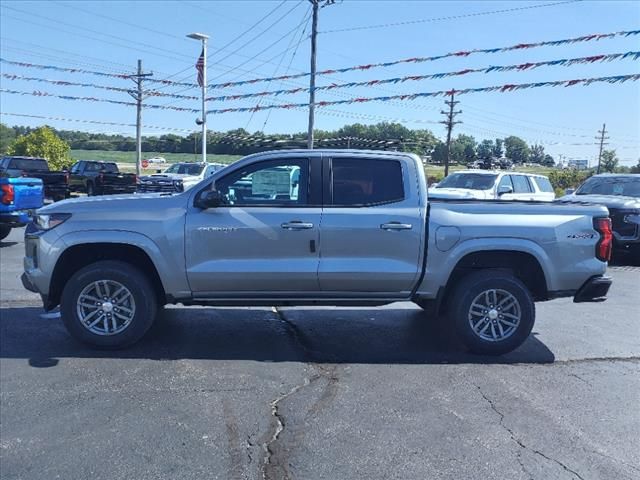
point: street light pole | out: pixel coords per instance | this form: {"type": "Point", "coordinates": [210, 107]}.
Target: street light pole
{"type": "Point", "coordinates": [202, 37]}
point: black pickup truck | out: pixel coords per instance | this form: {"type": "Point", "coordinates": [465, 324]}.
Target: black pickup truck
{"type": "Point", "coordinates": [56, 184]}
{"type": "Point", "coordinates": [100, 178]}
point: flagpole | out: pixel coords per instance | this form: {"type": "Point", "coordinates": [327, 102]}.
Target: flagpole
{"type": "Point", "coordinates": [203, 84]}
{"type": "Point", "coordinates": [204, 96]}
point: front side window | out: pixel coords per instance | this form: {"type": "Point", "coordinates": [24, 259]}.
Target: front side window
{"type": "Point", "coordinates": [360, 182]}
{"type": "Point", "coordinates": [469, 181]}
{"type": "Point", "coordinates": [505, 182]}
{"type": "Point", "coordinates": [271, 183]}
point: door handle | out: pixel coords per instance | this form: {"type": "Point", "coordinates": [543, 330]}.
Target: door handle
{"type": "Point", "coordinates": [396, 226]}
{"type": "Point", "coordinates": [296, 225]}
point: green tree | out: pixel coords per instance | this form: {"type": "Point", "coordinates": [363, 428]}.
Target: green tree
{"type": "Point", "coordinates": [609, 161]}
{"type": "Point", "coordinates": [485, 149]}
{"type": "Point", "coordinates": [636, 169]}
{"type": "Point", "coordinates": [498, 149]}
{"type": "Point", "coordinates": [7, 136]}
{"type": "Point", "coordinates": [516, 149]}
{"type": "Point", "coordinates": [42, 142]}
{"type": "Point", "coordinates": [537, 154]}
{"type": "Point", "coordinates": [548, 161]}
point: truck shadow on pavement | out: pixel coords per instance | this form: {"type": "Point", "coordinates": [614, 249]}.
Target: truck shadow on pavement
{"type": "Point", "coordinates": [336, 335]}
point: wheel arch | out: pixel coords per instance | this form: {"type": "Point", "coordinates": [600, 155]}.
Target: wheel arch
{"type": "Point", "coordinates": [77, 256]}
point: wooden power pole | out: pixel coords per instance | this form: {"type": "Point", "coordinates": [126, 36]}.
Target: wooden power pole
{"type": "Point", "coordinates": [602, 139]}
{"type": "Point", "coordinates": [449, 122]}
{"type": "Point", "coordinates": [137, 95]}
{"type": "Point", "coordinates": [312, 78]}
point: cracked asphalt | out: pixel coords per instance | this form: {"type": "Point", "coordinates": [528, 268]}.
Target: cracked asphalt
{"type": "Point", "coordinates": [320, 393]}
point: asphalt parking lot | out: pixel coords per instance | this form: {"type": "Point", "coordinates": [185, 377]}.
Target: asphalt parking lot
{"type": "Point", "coordinates": [309, 393]}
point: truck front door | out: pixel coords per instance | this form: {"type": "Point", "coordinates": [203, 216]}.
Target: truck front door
{"type": "Point", "coordinates": [372, 229]}
{"type": "Point", "coordinates": [263, 239]}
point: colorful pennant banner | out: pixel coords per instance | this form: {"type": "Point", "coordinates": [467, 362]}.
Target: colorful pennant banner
{"type": "Point", "coordinates": [365, 67]}
{"type": "Point", "coordinates": [510, 87]}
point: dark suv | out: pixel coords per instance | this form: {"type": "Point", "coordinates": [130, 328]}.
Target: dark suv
{"type": "Point", "coordinates": [620, 193]}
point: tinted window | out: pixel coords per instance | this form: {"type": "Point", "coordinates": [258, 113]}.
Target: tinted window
{"type": "Point", "coordinates": [506, 182]}
{"type": "Point", "coordinates": [544, 185]}
{"type": "Point", "coordinates": [470, 181]}
{"type": "Point", "coordinates": [626, 186]}
{"type": "Point", "coordinates": [521, 184]}
{"type": "Point", "coordinates": [75, 168]}
{"type": "Point", "coordinates": [29, 164]}
{"type": "Point", "coordinates": [185, 168]}
{"type": "Point", "coordinates": [366, 181]}
{"type": "Point", "coordinates": [270, 183]}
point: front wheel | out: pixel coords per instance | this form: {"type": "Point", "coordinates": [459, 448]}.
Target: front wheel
{"type": "Point", "coordinates": [5, 230]}
{"type": "Point", "coordinates": [108, 304]}
{"type": "Point", "coordinates": [493, 312]}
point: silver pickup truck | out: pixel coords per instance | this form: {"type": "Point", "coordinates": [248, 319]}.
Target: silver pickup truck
{"type": "Point", "coordinates": [317, 227]}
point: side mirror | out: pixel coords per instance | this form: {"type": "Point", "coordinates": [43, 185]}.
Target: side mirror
{"type": "Point", "coordinates": [209, 199]}
{"type": "Point", "coordinates": [504, 189]}
{"type": "Point", "coordinates": [569, 191]}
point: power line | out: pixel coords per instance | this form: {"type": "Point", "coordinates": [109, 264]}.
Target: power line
{"type": "Point", "coordinates": [448, 17]}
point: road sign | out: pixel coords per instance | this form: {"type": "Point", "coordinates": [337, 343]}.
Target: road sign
{"type": "Point", "coordinates": [145, 163]}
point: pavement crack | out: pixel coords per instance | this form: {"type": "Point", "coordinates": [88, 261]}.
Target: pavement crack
{"type": "Point", "coordinates": [273, 467]}
{"type": "Point", "coordinates": [520, 443]}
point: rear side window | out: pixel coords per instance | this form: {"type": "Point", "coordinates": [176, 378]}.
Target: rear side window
{"type": "Point", "coordinates": [362, 182]}
{"type": "Point", "coordinates": [544, 185]}
{"type": "Point", "coordinates": [521, 184]}
{"type": "Point", "coordinates": [29, 164]}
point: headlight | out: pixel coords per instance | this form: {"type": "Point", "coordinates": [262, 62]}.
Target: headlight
{"type": "Point", "coordinates": [47, 222]}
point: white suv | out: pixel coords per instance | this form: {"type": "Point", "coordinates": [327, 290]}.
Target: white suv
{"type": "Point", "coordinates": [493, 184]}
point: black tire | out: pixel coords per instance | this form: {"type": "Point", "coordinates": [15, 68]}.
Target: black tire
{"type": "Point", "coordinates": [135, 281]}
{"type": "Point", "coordinates": [475, 284]}
{"type": "Point", "coordinates": [5, 230]}
{"type": "Point", "coordinates": [91, 191]}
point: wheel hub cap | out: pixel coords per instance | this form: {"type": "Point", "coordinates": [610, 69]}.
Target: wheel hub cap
{"type": "Point", "coordinates": [494, 315]}
{"type": "Point", "coordinates": [105, 307]}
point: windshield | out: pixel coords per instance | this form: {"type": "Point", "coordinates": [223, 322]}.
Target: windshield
{"type": "Point", "coordinates": [470, 181]}
{"type": "Point", "coordinates": [185, 168]}
{"type": "Point", "coordinates": [29, 164]}
{"type": "Point", "coordinates": [621, 186]}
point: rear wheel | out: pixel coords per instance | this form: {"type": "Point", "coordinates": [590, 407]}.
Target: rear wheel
{"type": "Point", "coordinates": [493, 312]}
{"type": "Point", "coordinates": [5, 230]}
{"type": "Point", "coordinates": [108, 304]}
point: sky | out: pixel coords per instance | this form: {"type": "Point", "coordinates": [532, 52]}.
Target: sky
{"type": "Point", "coordinates": [258, 39]}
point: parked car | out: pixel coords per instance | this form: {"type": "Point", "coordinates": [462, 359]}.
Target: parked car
{"type": "Point", "coordinates": [496, 185]}
{"type": "Point", "coordinates": [620, 193]}
{"type": "Point", "coordinates": [314, 227]}
{"type": "Point", "coordinates": [56, 184]}
{"type": "Point", "coordinates": [100, 178]}
{"type": "Point", "coordinates": [19, 199]}
{"type": "Point", "coordinates": [178, 177]}
{"type": "Point", "coordinates": [157, 160]}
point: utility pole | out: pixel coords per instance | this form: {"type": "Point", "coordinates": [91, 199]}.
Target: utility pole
{"type": "Point", "coordinates": [137, 96]}
{"type": "Point", "coordinates": [449, 122]}
{"type": "Point", "coordinates": [602, 138]}
{"type": "Point", "coordinates": [312, 78]}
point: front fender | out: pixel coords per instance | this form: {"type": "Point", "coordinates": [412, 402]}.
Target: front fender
{"type": "Point", "coordinates": [172, 273]}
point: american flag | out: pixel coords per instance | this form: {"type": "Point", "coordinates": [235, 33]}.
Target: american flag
{"type": "Point", "coordinates": [200, 68]}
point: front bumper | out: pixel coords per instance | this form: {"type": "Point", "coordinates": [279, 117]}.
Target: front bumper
{"type": "Point", "coordinates": [18, 218]}
{"type": "Point", "coordinates": [593, 290]}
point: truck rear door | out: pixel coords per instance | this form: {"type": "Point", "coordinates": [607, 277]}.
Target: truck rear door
{"type": "Point", "coordinates": [372, 228]}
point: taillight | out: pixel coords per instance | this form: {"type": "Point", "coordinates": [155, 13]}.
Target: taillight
{"type": "Point", "coordinates": [605, 244]}
{"type": "Point", "coordinates": [8, 194]}
{"type": "Point", "coordinates": [66, 177]}
{"type": "Point", "coordinates": [101, 176]}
